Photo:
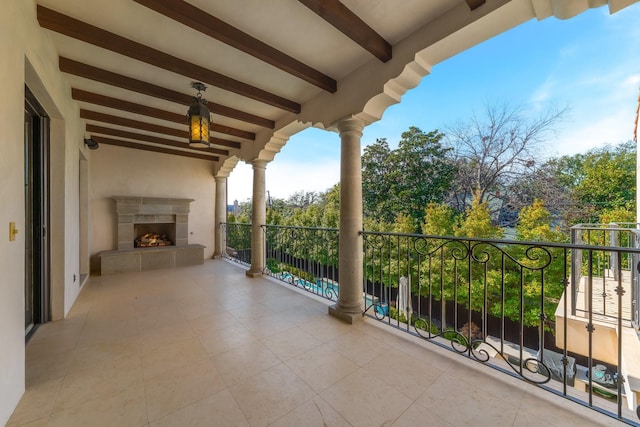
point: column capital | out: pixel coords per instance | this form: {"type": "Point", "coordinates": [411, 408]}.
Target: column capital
{"type": "Point", "coordinates": [221, 179]}
{"type": "Point", "coordinates": [351, 125]}
{"type": "Point", "coordinates": [259, 163]}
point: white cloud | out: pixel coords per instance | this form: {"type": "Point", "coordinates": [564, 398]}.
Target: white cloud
{"type": "Point", "coordinates": [609, 127]}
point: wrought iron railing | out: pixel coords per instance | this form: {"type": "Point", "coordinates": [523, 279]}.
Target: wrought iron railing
{"type": "Point", "coordinates": [507, 304]}
{"type": "Point", "coordinates": [238, 242]}
{"type": "Point", "coordinates": [503, 303]}
{"type": "Point", "coordinates": [303, 257]}
{"type": "Point", "coordinates": [604, 268]}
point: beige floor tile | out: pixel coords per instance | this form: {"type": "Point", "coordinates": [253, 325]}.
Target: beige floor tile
{"type": "Point", "coordinates": [171, 356]}
{"type": "Point", "coordinates": [266, 397]}
{"type": "Point", "coordinates": [100, 381]}
{"type": "Point", "coordinates": [418, 415]}
{"type": "Point", "coordinates": [414, 346]}
{"type": "Point", "coordinates": [321, 367]}
{"type": "Point", "coordinates": [110, 311]}
{"type": "Point", "coordinates": [220, 341]}
{"type": "Point", "coordinates": [290, 343]}
{"type": "Point", "coordinates": [105, 331]}
{"type": "Point", "coordinates": [175, 389]}
{"type": "Point", "coordinates": [358, 347]}
{"type": "Point", "coordinates": [41, 422]}
{"type": "Point", "coordinates": [218, 410]}
{"type": "Point", "coordinates": [491, 381]}
{"type": "Point", "coordinates": [324, 328]}
{"type": "Point", "coordinates": [553, 410]}
{"type": "Point", "coordinates": [244, 362]}
{"type": "Point", "coordinates": [405, 373]}
{"type": "Point", "coordinates": [127, 408]}
{"type": "Point", "coordinates": [314, 413]}
{"type": "Point", "coordinates": [37, 402]}
{"type": "Point", "coordinates": [250, 310]}
{"type": "Point", "coordinates": [89, 356]}
{"type": "Point", "coordinates": [154, 337]}
{"type": "Point", "coordinates": [287, 301]}
{"type": "Point", "coordinates": [364, 400]}
{"type": "Point", "coordinates": [463, 403]}
{"type": "Point", "coordinates": [47, 368]}
{"type": "Point", "coordinates": [158, 317]}
{"type": "Point", "coordinates": [194, 331]}
{"type": "Point", "coordinates": [47, 345]}
{"type": "Point", "coordinates": [213, 321]}
{"type": "Point", "coordinates": [198, 309]}
{"type": "Point", "coordinates": [58, 330]}
{"type": "Point", "coordinates": [267, 326]}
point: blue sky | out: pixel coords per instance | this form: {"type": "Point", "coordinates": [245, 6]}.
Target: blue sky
{"type": "Point", "coordinates": [590, 64]}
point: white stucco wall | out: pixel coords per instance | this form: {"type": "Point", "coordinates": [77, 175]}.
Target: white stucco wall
{"type": "Point", "coordinates": [28, 57]}
{"type": "Point", "coordinates": [117, 171]}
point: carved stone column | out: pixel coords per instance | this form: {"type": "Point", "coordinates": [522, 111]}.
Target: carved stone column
{"type": "Point", "coordinates": [349, 306]}
{"type": "Point", "coordinates": [220, 216]}
{"type": "Point", "coordinates": [258, 218]}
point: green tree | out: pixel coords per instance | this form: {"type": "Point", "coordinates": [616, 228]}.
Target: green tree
{"type": "Point", "coordinates": [331, 208]}
{"type": "Point", "coordinates": [439, 220]}
{"type": "Point", "coordinates": [421, 172]}
{"type": "Point", "coordinates": [620, 214]}
{"type": "Point", "coordinates": [477, 222]}
{"type": "Point", "coordinates": [535, 224]}
{"type": "Point", "coordinates": [377, 200]}
{"type": "Point", "coordinates": [493, 150]}
{"type": "Point", "coordinates": [608, 178]}
{"type": "Point", "coordinates": [405, 180]}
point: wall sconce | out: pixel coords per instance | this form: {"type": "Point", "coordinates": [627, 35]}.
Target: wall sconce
{"type": "Point", "coordinates": [91, 143]}
{"type": "Point", "coordinates": [199, 119]}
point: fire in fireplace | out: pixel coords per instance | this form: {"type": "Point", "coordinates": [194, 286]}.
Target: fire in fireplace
{"type": "Point", "coordinates": [152, 235]}
{"type": "Point", "coordinates": [149, 240]}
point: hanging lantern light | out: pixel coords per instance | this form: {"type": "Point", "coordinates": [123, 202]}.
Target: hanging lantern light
{"type": "Point", "coordinates": [199, 119]}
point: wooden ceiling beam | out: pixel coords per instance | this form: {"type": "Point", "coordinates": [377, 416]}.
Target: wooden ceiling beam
{"type": "Point", "coordinates": [350, 24]}
{"type": "Point", "coordinates": [71, 27]}
{"type": "Point", "coordinates": [90, 72]}
{"type": "Point", "coordinates": [474, 4]}
{"type": "Point", "coordinates": [156, 149]}
{"type": "Point", "coordinates": [135, 124]}
{"type": "Point", "coordinates": [192, 17]}
{"type": "Point", "coordinates": [150, 138]}
{"type": "Point", "coordinates": [144, 110]}
{"type": "Point", "coordinates": [130, 123]}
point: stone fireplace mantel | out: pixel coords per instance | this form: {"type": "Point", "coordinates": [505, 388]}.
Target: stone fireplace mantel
{"type": "Point", "coordinates": [151, 210]}
{"type": "Point", "coordinates": [132, 212]}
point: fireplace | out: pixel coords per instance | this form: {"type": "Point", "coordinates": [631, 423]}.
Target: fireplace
{"type": "Point", "coordinates": [152, 235]}
{"type": "Point", "coordinates": [145, 215]}
{"type": "Point", "coordinates": [161, 226]}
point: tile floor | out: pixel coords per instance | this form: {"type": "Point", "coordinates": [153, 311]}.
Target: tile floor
{"type": "Point", "coordinates": [207, 346]}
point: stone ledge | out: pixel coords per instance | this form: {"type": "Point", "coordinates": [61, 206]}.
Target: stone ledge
{"type": "Point", "coordinates": [143, 259]}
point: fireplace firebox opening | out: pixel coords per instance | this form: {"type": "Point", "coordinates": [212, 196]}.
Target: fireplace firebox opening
{"type": "Point", "coordinates": [153, 235]}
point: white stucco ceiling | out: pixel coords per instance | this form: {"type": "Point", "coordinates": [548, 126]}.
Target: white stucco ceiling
{"type": "Point", "coordinates": [421, 33]}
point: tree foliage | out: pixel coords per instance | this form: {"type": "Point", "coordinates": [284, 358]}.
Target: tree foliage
{"type": "Point", "coordinates": [582, 187]}
{"type": "Point", "coordinates": [404, 180]}
{"type": "Point", "coordinates": [492, 151]}
{"type": "Point", "coordinates": [477, 222]}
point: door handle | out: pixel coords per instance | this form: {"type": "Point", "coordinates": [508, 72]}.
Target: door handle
{"type": "Point", "coordinates": [12, 231]}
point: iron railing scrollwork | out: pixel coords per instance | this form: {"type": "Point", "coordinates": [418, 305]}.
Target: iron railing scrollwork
{"type": "Point", "coordinates": [304, 257]}
{"type": "Point", "coordinates": [549, 313]}
{"type": "Point", "coordinates": [504, 303]}
{"type": "Point", "coordinates": [237, 242]}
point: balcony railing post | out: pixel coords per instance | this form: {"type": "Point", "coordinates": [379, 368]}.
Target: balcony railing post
{"type": "Point", "coordinates": [613, 256]}
{"type": "Point", "coordinates": [576, 266]}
